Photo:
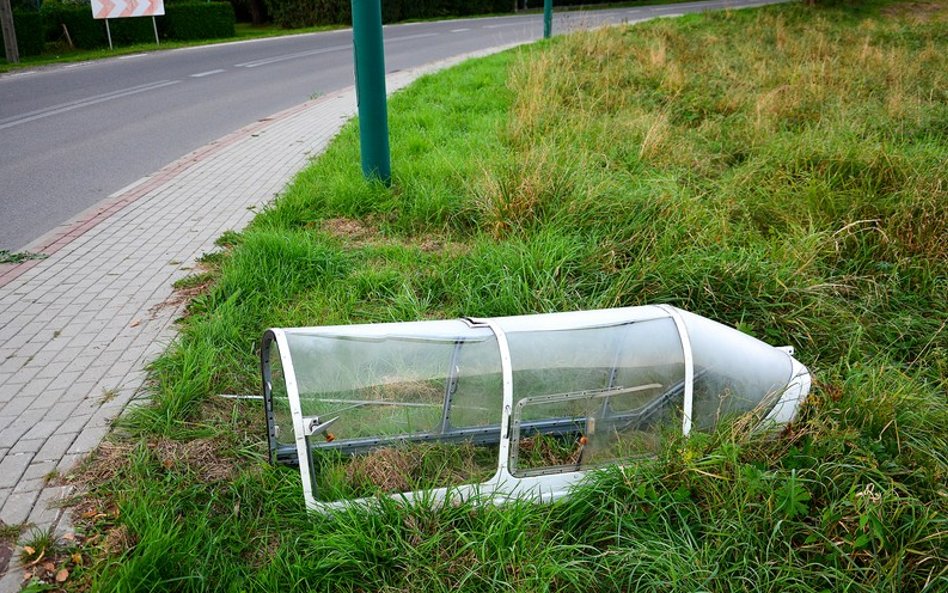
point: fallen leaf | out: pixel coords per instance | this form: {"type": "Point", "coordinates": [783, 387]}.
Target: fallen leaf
{"type": "Point", "coordinates": [135, 323]}
{"type": "Point", "coordinates": [77, 559]}
{"type": "Point", "coordinates": [27, 575]}
{"type": "Point", "coordinates": [70, 536]}
{"type": "Point", "coordinates": [62, 575]}
{"type": "Point", "coordinates": [29, 550]}
{"type": "Point", "coordinates": [49, 566]}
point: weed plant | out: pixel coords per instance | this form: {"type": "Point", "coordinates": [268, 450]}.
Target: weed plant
{"type": "Point", "coordinates": [782, 170]}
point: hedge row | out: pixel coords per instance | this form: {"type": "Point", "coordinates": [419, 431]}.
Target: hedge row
{"type": "Point", "coordinates": [198, 20]}
{"type": "Point", "coordinates": [182, 21]}
{"type": "Point", "coordinates": [307, 13]}
{"type": "Point", "coordinates": [29, 33]}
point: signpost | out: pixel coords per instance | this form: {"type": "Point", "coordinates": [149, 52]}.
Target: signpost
{"type": "Point", "coordinates": [370, 84]}
{"type": "Point", "coordinates": [370, 89]}
{"type": "Point", "coordinates": [116, 9]}
{"type": "Point", "coordinates": [547, 18]}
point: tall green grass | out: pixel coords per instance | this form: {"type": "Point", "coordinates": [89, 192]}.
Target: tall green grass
{"type": "Point", "coordinates": [782, 170]}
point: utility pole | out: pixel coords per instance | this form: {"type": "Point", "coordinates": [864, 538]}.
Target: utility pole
{"type": "Point", "coordinates": [9, 32]}
{"type": "Point", "coordinates": [547, 18]}
{"type": "Point", "coordinates": [370, 89]}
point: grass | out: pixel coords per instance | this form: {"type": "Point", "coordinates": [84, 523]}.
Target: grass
{"type": "Point", "coordinates": [38, 545]}
{"type": "Point", "coordinates": [781, 170]}
{"type": "Point", "coordinates": [48, 563]}
{"type": "Point", "coordinates": [18, 257]}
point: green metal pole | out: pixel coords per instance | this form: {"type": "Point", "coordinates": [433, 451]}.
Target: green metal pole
{"type": "Point", "coordinates": [547, 18]}
{"type": "Point", "coordinates": [370, 89]}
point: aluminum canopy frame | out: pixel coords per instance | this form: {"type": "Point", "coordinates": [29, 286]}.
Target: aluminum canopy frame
{"type": "Point", "coordinates": [611, 380]}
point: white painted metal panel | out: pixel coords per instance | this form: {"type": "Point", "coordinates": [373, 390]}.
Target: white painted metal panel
{"type": "Point", "coordinates": [116, 9]}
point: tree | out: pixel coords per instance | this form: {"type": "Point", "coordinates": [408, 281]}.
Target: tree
{"type": "Point", "coordinates": [9, 32]}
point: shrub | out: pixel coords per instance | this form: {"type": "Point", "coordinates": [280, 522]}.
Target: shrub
{"type": "Point", "coordinates": [182, 20]}
{"type": "Point", "coordinates": [306, 13]}
{"type": "Point", "coordinates": [85, 32]}
{"type": "Point", "coordinates": [129, 31]}
{"type": "Point", "coordinates": [420, 9]}
{"type": "Point", "coordinates": [198, 20]}
{"type": "Point", "coordinates": [29, 32]}
{"type": "Point", "coordinates": [250, 11]}
{"type": "Point", "coordinates": [469, 7]}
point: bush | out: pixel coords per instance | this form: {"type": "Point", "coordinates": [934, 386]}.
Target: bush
{"type": "Point", "coordinates": [198, 20]}
{"type": "Point", "coordinates": [29, 32]}
{"type": "Point", "coordinates": [182, 20]}
{"type": "Point", "coordinates": [129, 31]}
{"type": "Point", "coordinates": [292, 14]}
{"type": "Point", "coordinates": [307, 13]}
{"type": "Point", "coordinates": [250, 11]}
{"type": "Point", "coordinates": [85, 32]}
{"type": "Point", "coordinates": [469, 7]}
{"type": "Point", "coordinates": [394, 10]}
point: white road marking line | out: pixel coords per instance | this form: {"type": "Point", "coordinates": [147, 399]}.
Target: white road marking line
{"type": "Point", "coordinates": [408, 37]}
{"type": "Point", "coordinates": [64, 107]}
{"type": "Point", "coordinates": [208, 73]}
{"type": "Point", "coordinates": [314, 52]}
{"type": "Point", "coordinates": [284, 57]}
{"type": "Point", "coordinates": [129, 57]}
{"type": "Point", "coordinates": [520, 24]}
{"type": "Point", "coordinates": [347, 30]}
{"type": "Point", "coordinates": [459, 30]}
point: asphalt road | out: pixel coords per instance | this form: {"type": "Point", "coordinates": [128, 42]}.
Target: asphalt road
{"type": "Point", "coordinates": [71, 135]}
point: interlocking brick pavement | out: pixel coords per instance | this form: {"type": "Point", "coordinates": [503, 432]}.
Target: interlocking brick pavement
{"type": "Point", "coordinates": [78, 328]}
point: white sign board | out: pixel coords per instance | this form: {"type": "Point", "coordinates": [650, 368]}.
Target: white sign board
{"type": "Point", "coordinates": [116, 9]}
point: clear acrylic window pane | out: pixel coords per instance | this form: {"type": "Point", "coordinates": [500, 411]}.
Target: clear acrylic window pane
{"type": "Point", "coordinates": [586, 397]}
{"type": "Point", "coordinates": [376, 387]}
{"type": "Point", "coordinates": [734, 373]}
{"type": "Point", "coordinates": [422, 408]}
{"type": "Point", "coordinates": [283, 419]}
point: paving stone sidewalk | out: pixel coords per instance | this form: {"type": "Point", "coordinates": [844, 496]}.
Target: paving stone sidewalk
{"type": "Point", "coordinates": [78, 327]}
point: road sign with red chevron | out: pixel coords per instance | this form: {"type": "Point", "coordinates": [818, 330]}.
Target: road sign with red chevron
{"type": "Point", "coordinates": [116, 9]}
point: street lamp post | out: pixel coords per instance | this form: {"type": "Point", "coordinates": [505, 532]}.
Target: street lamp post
{"type": "Point", "coordinates": [370, 89]}
{"type": "Point", "coordinates": [547, 18]}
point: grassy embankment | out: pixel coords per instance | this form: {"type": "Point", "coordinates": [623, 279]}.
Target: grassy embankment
{"type": "Point", "coordinates": [782, 170]}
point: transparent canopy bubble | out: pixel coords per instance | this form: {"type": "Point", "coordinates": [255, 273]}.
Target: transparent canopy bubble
{"type": "Point", "coordinates": [491, 409]}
